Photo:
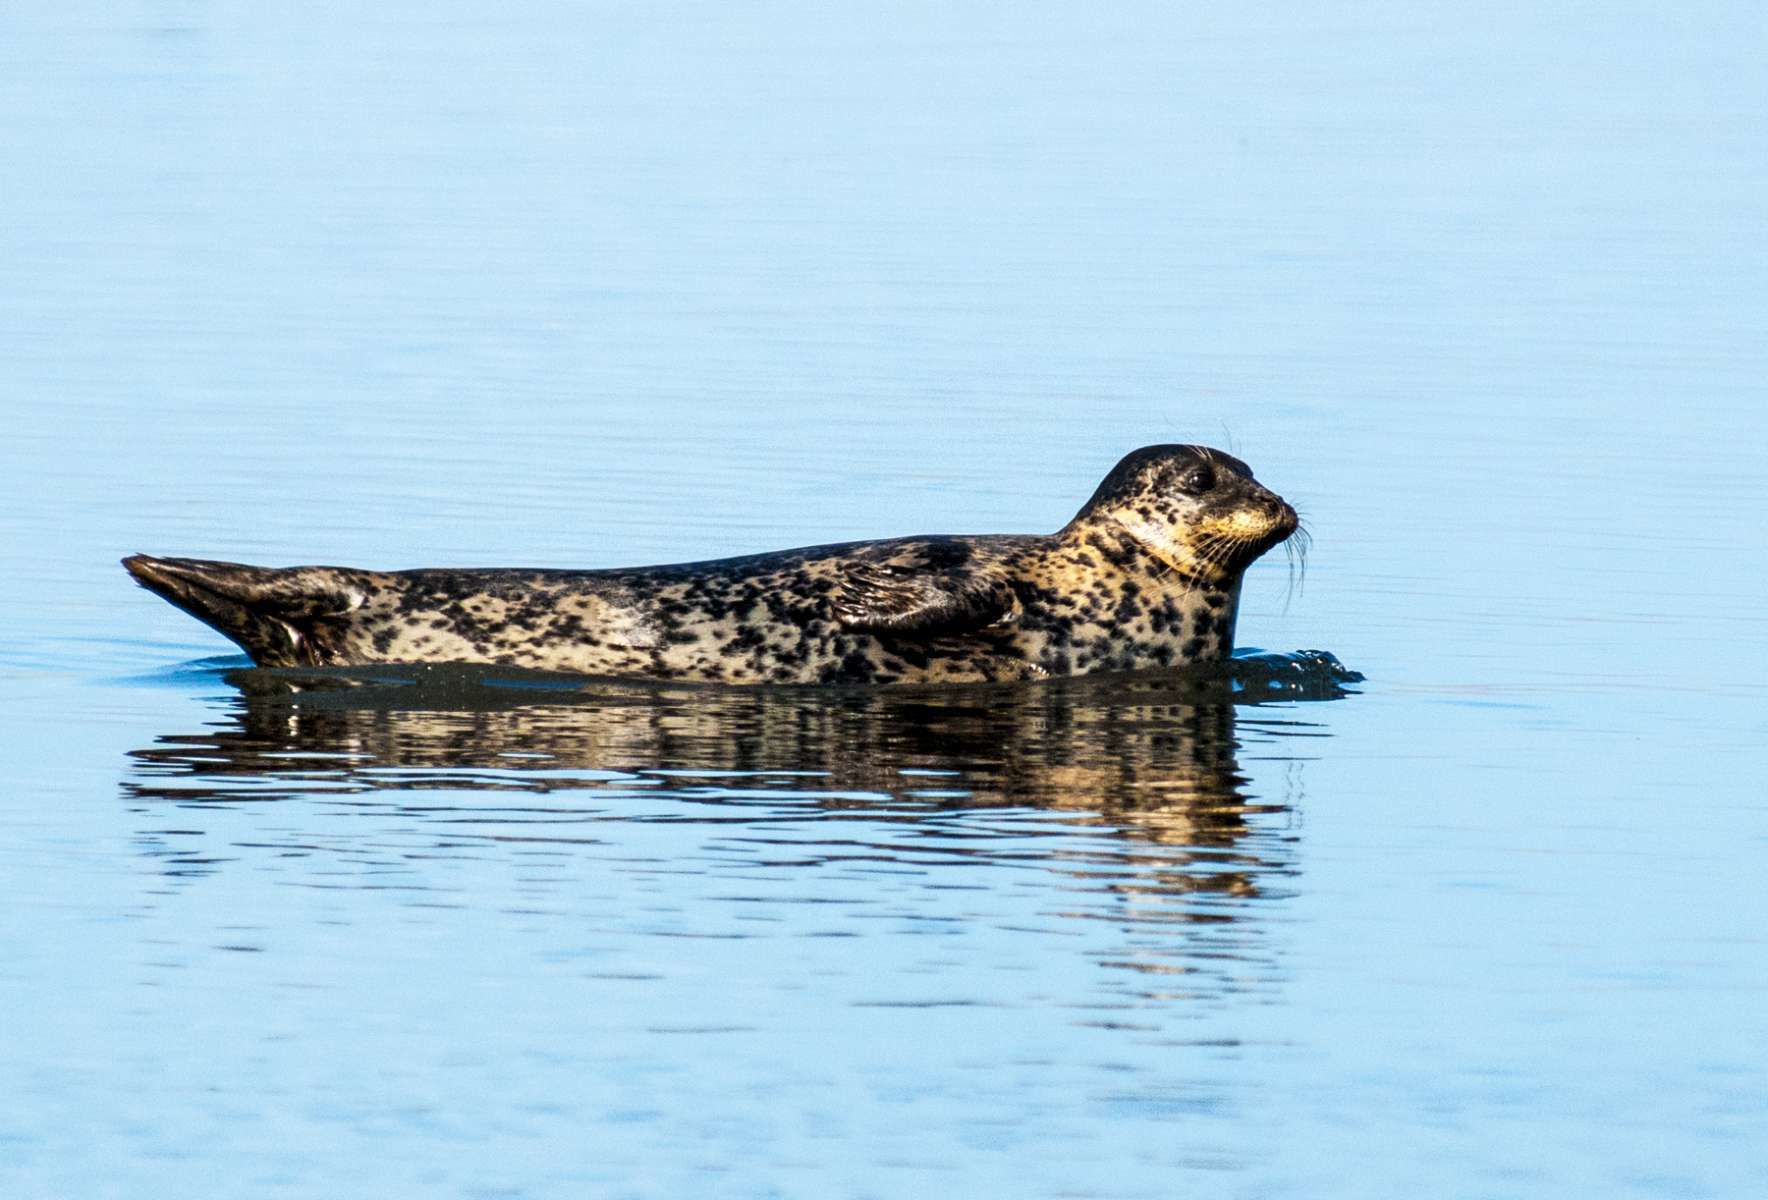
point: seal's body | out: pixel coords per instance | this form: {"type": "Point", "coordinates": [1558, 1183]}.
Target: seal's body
{"type": "Point", "coordinates": [1147, 575]}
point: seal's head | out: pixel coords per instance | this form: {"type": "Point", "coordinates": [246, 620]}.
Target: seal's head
{"type": "Point", "coordinates": [1195, 509]}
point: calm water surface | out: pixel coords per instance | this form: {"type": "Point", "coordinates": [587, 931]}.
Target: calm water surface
{"type": "Point", "coordinates": [567, 285]}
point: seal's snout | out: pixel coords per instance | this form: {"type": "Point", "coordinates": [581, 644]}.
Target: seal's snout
{"type": "Point", "coordinates": [1284, 520]}
{"type": "Point", "coordinates": [1258, 520]}
{"type": "Point", "coordinates": [1275, 514]}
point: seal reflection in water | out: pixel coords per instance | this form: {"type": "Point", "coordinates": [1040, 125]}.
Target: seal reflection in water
{"type": "Point", "coordinates": [1146, 575]}
{"type": "Point", "coordinates": [1120, 798]}
{"type": "Point", "coordinates": [1114, 806]}
{"type": "Point", "coordinates": [1148, 758]}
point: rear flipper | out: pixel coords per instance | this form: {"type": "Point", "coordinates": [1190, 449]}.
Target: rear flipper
{"type": "Point", "coordinates": [282, 617]}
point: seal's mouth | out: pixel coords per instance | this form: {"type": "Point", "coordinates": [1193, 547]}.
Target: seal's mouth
{"type": "Point", "coordinates": [1233, 539]}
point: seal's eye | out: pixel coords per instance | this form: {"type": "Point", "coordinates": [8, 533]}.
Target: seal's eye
{"type": "Point", "coordinates": [1197, 480]}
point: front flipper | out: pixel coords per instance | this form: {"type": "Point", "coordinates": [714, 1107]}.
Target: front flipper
{"type": "Point", "coordinates": [913, 597]}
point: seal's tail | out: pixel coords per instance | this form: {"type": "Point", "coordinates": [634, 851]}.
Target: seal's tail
{"type": "Point", "coordinates": [282, 617]}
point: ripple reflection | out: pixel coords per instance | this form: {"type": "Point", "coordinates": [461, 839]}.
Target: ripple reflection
{"type": "Point", "coordinates": [1112, 810]}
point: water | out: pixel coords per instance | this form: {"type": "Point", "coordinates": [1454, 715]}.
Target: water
{"type": "Point", "coordinates": [558, 285]}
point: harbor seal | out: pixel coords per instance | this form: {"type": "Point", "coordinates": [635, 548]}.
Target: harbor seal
{"type": "Point", "coordinates": [1146, 575]}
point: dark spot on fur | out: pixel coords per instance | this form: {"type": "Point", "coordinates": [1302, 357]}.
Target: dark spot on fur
{"type": "Point", "coordinates": [1093, 597]}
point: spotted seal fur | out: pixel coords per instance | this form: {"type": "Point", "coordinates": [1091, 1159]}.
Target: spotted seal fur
{"type": "Point", "coordinates": [1146, 575]}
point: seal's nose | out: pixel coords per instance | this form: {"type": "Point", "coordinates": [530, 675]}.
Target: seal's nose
{"type": "Point", "coordinates": [1286, 518]}
{"type": "Point", "coordinates": [1278, 511]}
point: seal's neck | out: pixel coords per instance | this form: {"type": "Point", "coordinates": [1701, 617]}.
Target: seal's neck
{"type": "Point", "coordinates": [1138, 607]}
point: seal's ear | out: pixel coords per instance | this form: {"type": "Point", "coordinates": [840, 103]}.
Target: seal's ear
{"type": "Point", "coordinates": [910, 597]}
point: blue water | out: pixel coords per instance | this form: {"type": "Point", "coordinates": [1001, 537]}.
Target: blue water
{"type": "Point", "coordinates": [1481, 290]}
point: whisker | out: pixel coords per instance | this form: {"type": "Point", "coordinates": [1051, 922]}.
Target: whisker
{"type": "Point", "coordinates": [1212, 549]}
{"type": "Point", "coordinates": [1295, 549]}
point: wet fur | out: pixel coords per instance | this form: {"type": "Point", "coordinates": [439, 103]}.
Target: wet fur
{"type": "Point", "coordinates": [1144, 576]}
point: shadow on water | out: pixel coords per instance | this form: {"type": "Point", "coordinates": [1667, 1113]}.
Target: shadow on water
{"type": "Point", "coordinates": [1124, 795]}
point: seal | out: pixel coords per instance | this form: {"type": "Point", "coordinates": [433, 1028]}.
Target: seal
{"type": "Point", "coordinates": [1146, 575]}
